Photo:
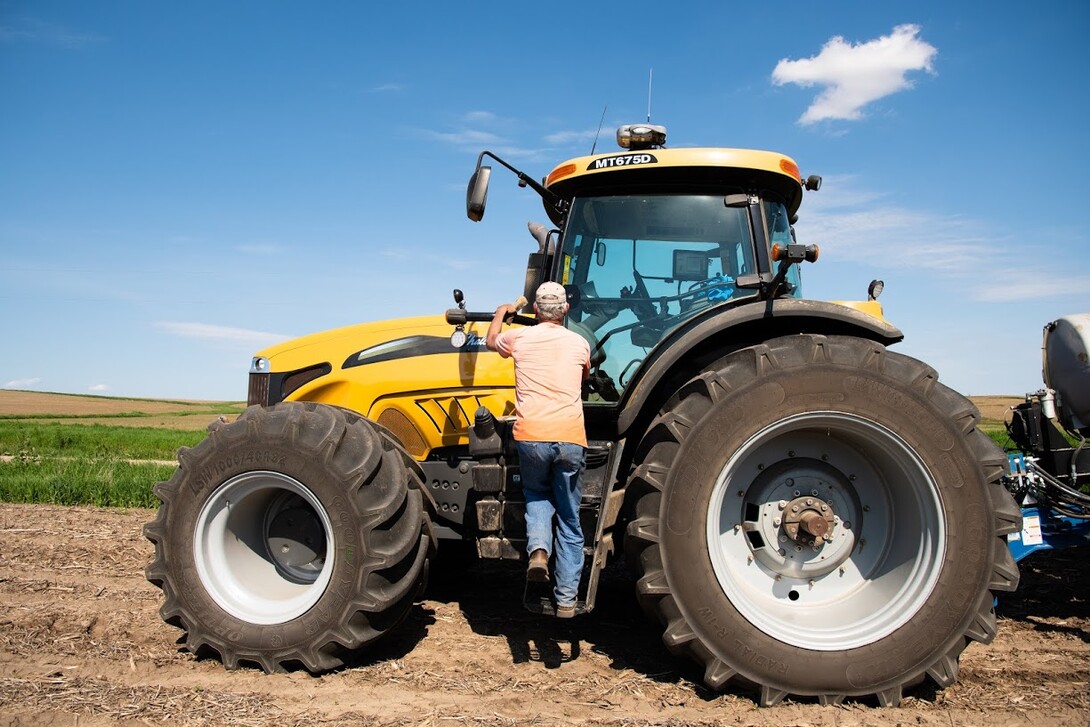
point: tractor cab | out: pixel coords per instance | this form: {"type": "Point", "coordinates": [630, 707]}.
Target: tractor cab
{"type": "Point", "coordinates": [652, 237]}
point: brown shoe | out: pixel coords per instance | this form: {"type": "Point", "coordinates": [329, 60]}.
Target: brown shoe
{"type": "Point", "coordinates": [538, 571]}
{"type": "Point", "coordinates": [565, 611]}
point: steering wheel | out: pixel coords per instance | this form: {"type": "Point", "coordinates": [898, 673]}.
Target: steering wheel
{"type": "Point", "coordinates": [639, 300]}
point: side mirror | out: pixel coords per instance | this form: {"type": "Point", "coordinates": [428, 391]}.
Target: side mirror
{"type": "Point", "coordinates": [477, 193]}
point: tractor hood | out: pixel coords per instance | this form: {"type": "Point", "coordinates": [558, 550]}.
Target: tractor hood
{"type": "Point", "coordinates": [338, 345]}
{"type": "Point", "coordinates": [396, 372]}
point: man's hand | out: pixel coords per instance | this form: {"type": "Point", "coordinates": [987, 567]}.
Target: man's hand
{"type": "Point", "coordinates": [506, 310]}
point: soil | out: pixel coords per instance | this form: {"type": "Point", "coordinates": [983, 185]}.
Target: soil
{"type": "Point", "coordinates": [81, 643]}
{"type": "Point", "coordinates": [46, 408]}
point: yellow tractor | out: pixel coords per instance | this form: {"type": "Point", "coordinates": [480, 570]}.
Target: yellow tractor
{"type": "Point", "coordinates": [808, 512]}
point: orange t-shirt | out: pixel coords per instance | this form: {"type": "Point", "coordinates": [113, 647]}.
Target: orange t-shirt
{"type": "Point", "coordinates": [550, 365]}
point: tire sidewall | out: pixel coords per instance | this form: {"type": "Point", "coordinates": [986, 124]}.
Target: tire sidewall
{"type": "Point", "coordinates": [771, 397]}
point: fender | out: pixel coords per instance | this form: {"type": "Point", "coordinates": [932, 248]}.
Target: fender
{"type": "Point", "coordinates": [724, 329]}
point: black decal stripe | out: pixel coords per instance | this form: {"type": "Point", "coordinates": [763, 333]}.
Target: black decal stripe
{"type": "Point", "coordinates": [407, 347]}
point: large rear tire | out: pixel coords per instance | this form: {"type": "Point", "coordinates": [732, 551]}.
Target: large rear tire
{"type": "Point", "coordinates": [819, 516]}
{"type": "Point", "coordinates": [294, 535]}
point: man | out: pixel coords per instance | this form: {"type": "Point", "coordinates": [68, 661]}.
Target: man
{"type": "Point", "coordinates": [551, 363]}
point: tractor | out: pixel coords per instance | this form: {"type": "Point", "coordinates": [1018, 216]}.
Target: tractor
{"type": "Point", "coordinates": [806, 511]}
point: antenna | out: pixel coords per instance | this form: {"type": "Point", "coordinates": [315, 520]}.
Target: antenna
{"type": "Point", "coordinates": [597, 133]}
{"type": "Point", "coordinates": [650, 71]}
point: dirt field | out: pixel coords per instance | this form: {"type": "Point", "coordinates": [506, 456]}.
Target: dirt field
{"type": "Point", "coordinates": [81, 644]}
{"type": "Point", "coordinates": [43, 407]}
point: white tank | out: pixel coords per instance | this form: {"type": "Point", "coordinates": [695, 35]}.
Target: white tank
{"type": "Point", "coordinates": [1066, 354]}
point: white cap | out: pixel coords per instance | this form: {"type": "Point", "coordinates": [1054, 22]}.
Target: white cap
{"type": "Point", "coordinates": [551, 293]}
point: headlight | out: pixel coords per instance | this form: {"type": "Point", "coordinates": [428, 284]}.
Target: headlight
{"type": "Point", "coordinates": [259, 365]}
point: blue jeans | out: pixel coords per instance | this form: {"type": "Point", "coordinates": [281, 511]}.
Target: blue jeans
{"type": "Point", "coordinates": [552, 474]}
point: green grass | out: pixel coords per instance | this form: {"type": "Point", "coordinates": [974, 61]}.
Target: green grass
{"type": "Point", "coordinates": [106, 483]}
{"type": "Point", "coordinates": [78, 464]}
{"type": "Point", "coordinates": [96, 441]}
{"type": "Point", "coordinates": [998, 434]}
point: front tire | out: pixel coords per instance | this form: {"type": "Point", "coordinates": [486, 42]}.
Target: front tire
{"type": "Point", "coordinates": [819, 516]}
{"type": "Point", "coordinates": [294, 535]}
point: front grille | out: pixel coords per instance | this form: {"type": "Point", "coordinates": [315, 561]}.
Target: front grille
{"type": "Point", "coordinates": [259, 390]}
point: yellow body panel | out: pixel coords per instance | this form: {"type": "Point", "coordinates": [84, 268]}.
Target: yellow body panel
{"type": "Point", "coordinates": [871, 307]}
{"type": "Point", "coordinates": [425, 390]}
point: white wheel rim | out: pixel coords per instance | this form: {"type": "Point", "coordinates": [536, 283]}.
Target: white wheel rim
{"type": "Point", "coordinates": [875, 571]}
{"type": "Point", "coordinates": [263, 546]}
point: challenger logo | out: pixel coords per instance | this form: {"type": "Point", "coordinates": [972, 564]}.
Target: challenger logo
{"type": "Point", "coordinates": [622, 160]}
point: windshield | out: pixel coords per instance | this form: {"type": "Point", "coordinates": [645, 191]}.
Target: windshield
{"type": "Point", "coordinates": [642, 264]}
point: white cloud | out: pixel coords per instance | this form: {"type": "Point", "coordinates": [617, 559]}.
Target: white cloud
{"type": "Point", "coordinates": [465, 137]}
{"type": "Point", "coordinates": [854, 75]}
{"type": "Point", "coordinates": [221, 334]}
{"type": "Point", "coordinates": [862, 226]}
{"type": "Point", "coordinates": [475, 140]}
{"type": "Point", "coordinates": [408, 255]}
{"type": "Point", "coordinates": [478, 117]}
{"type": "Point", "coordinates": [572, 137]}
{"type": "Point", "coordinates": [98, 388]}
{"type": "Point", "coordinates": [388, 88]}
{"type": "Point", "coordinates": [261, 249]}
{"type": "Point", "coordinates": [32, 30]}
{"type": "Point", "coordinates": [1019, 284]}
{"type": "Point", "coordinates": [21, 383]}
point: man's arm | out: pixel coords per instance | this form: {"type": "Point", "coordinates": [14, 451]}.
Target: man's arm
{"type": "Point", "coordinates": [497, 323]}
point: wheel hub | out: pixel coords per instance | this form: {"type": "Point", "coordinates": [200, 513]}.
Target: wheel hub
{"type": "Point", "coordinates": [798, 516]}
{"type": "Point", "coordinates": [809, 521]}
{"type": "Point", "coordinates": [296, 541]}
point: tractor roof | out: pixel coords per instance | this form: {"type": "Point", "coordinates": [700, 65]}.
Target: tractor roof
{"type": "Point", "coordinates": [678, 170]}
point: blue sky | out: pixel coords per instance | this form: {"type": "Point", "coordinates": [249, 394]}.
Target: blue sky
{"type": "Point", "coordinates": [184, 183]}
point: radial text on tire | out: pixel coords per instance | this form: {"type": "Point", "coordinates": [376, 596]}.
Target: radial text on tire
{"type": "Point", "coordinates": [819, 516]}
{"type": "Point", "coordinates": [295, 535]}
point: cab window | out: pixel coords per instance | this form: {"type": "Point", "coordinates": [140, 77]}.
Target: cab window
{"type": "Point", "coordinates": [642, 264]}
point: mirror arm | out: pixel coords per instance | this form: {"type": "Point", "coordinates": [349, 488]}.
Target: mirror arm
{"type": "Point", "coordinates": [525, 180]}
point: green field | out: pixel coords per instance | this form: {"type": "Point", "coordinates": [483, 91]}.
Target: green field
{"type": "Point", "coordinates": [93, 450]}
{"type": "Point", "coordinates": [72, 450]}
